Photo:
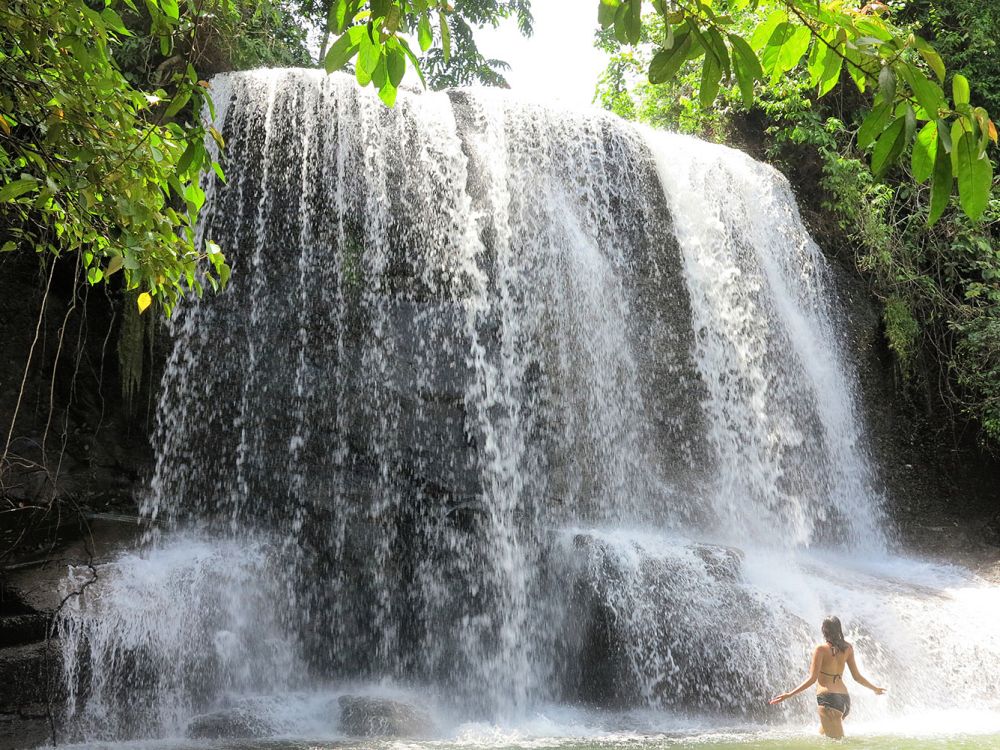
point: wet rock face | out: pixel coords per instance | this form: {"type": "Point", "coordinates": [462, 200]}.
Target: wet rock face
{"type": "Point", "coordinates": [640, 627]}
{"type": "Point", "coordinates": [380, 717]}
{"type": "Point", "coordinates": [232, 723]}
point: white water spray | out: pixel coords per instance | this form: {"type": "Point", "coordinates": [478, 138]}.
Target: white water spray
{"type": "Point", "coordinates": [516, 407]}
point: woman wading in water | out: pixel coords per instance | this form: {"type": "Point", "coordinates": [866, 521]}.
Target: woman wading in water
{"type": "Point", "coordinates": [827, 671]}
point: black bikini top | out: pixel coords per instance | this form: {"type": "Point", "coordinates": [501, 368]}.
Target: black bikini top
{"type": "Point", "coordinates": [834, 676]}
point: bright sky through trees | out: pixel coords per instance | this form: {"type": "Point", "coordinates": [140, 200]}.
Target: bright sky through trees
{"type": "Point", "coordinates": [559, 61]}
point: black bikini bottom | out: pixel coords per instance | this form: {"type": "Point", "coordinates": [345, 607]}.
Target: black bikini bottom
{"type": "Point", "coordinates": [837, 701]}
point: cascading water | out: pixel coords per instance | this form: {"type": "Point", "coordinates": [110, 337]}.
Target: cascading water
{"type": "Point", "coordinates": [517, 405]}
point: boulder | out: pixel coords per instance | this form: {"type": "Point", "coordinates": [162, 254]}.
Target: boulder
{"type": "Point", "coordinates": [228, 724]}
{"type": "Point", "coordinates": [380, 717]}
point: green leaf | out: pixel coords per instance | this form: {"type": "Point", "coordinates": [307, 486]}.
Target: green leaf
{"type": "Point", "coordinates": [934, 61]}
{"type": "Point", "coordinates": [874, 26]}
{"type": "Point", "coordinates": [886, 84]}
{"type": "Point", "coordinates": [369, 55]}
{"type": "Point", "coordinates": [910, 118]}
{"type": "Point", "coordinates": [784, 49]}
{"type": "Point", "coordinates": [941, 186]}
{"type": "Point", "coordinates": [425, 36]}
{"type": "Point", "coordinates": [387, 93]}
{"type": "Point", "coordinates": [381, 74]}
{"type": "Point", "coordinates": [170, 8]}
{"type": "Point", "coordinates": [711, 75]}
{"type": "Point", "coordinates": [889, 146]}
{"type": "Point", "coordinates": [177, 103]}
{"type": "Point", "coordinates": [874, 123]}
{"type": "Point", "coordinates": [94, 275]}
{"type": "Point", "coordinates": [343, 49]}
{"type": "Point", "coordinates": [667, 62]}
{"type": "Point", "coordinates": [957, 129]}
{"type": "Point", "coordinates": [195, 196]}
{"type": "Point", "coordinates": [960, 89]}
{"type": "Point", "coordinates": [187, 160]}
{"type": "Point", "coordinates": [396, 66]}
{"type": "Point", "coordinates": [445, 37]}
{"type": "Point", "coordinates": [975, 176]}
{"type": "Point", "coordinates": [17, 188]}
{"type": "Point", "coordinates": [744, 52]}
{"type": "Point", "coordinates": [390, 24]}
{"type": "Point", "coordinates": [621, 24]}
{"type": "Point", "coordinates": [944, 134]}
{"type": "Point", "coordinates": [927, 93]}
{"type": "Point", "coordinates": [824, 63]}
{"type": "Point", "coordinates": [340, 16]}
{"type": "Point", "coordinates": [762, 34]}
{"type": "Point", "coordinates": [633, 24]}
{"type": "Point", "coordinates": [855, 69]}
{"type": "Point", "coordinates": [606, 12]}
{"type": "Point", "coordinates": [717, 46]}
{"type": "Point", "coordinates": [924, 152]}
{"type": "Point", "coordinates": [413, 59]}
{"type": "Point", "coordinates": [745, 80]}
{"type": "Point", "coordinates": [114, 22]}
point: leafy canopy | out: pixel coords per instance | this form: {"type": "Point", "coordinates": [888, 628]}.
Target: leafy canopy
{"type": "Point", "coordinates": [374, 34]}
{"type": "Point", "coordinates": [916, 103]}
{"type": "Point", "coordinates": [93, 166]}
{"type": "Point", "coordinates": [832, 39]}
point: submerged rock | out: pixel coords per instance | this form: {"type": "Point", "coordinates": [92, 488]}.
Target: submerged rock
{"type": "Point", "coordinates": [230, 723]}
{"type": "Point", "coordinates": [381, 717]}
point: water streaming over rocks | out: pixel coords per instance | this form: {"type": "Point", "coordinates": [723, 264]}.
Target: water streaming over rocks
{"type": "Point", "coordinates": [510, 405]}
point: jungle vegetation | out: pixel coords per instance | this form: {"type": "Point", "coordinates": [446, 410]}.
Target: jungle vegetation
{"type": "Point", "coordinates": [103, 132]}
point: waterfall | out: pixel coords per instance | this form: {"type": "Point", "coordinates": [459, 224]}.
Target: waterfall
{"type": "Point", "coordinates": [513, 406]}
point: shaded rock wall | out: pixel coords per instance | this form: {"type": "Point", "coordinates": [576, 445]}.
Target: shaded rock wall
{"type": "Point", "coordinates": [74, 444]}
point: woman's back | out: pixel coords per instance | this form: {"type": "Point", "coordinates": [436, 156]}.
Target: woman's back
{"type": "Point", "coordinates": [831, 668]}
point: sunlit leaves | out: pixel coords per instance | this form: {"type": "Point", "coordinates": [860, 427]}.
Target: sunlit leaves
{"type": "Point", "coordinates": [667, 62]}
{"type": "Point", "coordinates": [960, 90]}
{"type": "Point", "coordinates": [825, 61]}
{"type": "Point", "coordinates": [343, 49]}
{"type": "Point", "coordinates": [445, 35]}
{"type": "Point", "coordinates": [711, 77]}
{"type": "Point", "coordinates": [747, 68]}
{"type": "Point", "coordinates": [373, 36]}
{"type": "Point", "coordinates": [111, 176]}
{"type": "Point", "coordinates": [783, 50]}
{"type": "Point", "coordinates": [776, 37]}
{"type": "Point", "coordinates": [170, 8]}
{"type": "Point", "coordinates": [425, 36]}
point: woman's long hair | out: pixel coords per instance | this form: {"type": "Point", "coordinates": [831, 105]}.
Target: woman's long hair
{"type": "Point", "coordinates": [833, 634]}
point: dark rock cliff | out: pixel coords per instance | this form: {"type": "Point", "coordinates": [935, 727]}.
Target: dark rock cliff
{"type": "Point", "coordinates": [78, 448]}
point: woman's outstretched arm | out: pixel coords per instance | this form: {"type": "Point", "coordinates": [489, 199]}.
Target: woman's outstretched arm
{"type": "Point", "coordinates": [813, 675]}
{"type": "Point", "coordinates": [856, 673]}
